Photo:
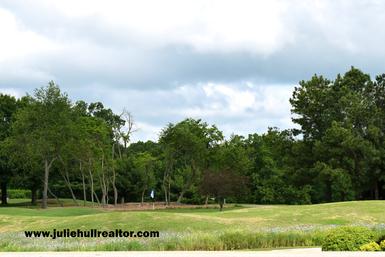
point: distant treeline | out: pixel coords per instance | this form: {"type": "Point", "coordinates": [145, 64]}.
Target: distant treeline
{"type": "Point", "coordinates": [56, 148]}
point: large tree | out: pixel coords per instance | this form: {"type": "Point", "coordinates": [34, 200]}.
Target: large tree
{"type": "Point", "coordinates": [342, 120]}
{"type": "Point", "coordinates": [8, 107]}
{"type": "Point", "coordinates": [42, 129]}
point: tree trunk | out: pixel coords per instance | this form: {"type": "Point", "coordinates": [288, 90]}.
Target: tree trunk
{"type": "Point", "coordinates": [144, 190]}
{"type": "Point", "coordinates": [4, 192]}
{"type": "Point", "coordinates": [45, 187]}
{"type": "Point", "coordinates": [206, 200]}
{"type": "Point", "coordinates": [91, 182]}
{"type": "Point", "coordinates": [115, 193]}
{"type": "Point", "coordinates": [169, 191]}
{"type": "Point", "coordinates": [114, 175]}
{"type": "Point", "coordinates": [376, 191]}
{"type": "Point", "coordinates": [181, 196]}
{"type": "Point", "coordinates": [221, 203]}
{"type": "Point", "coordinates": [103, 185]}
{"type": "Point", "coordinates": [68, 183]}
{"type": "Point", "coordinates": [165, 188]}
{"type": "Point", "coordinates": [57, 199]}
{"type": "Point", "coordinates": [185, 188]}
{"type": "Point", "coordinates": [33, 196]}
{"type": "Point", "coordinates": [165, 194]}
{"type": "Point", "coordinates": [97, 198]}
{"type": "Point", "coordinates": [188, 184]}
{"type": "Point", "coordinates": [47, 166]}
{"type": "Point", "coordinates": [84, 185]}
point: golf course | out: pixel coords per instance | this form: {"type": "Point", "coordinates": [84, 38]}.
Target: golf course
{"type": "Point", "coordinates": [71, 178]}
{"type": "Point", "coordinates": [198, 228]}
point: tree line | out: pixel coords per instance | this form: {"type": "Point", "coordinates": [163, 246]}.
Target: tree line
{"type": "Point", "coordinates": [58, 148]}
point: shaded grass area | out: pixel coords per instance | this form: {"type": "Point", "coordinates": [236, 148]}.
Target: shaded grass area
{"type": "Point", "coordinates": [238, 227]}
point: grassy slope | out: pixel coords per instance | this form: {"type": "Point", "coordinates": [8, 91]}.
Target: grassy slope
{"type": "Point", "coordinates": [251, 218]}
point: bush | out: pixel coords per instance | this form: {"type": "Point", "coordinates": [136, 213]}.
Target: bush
{"type": "Point", "coordinates": [347, 238]}
{"type": "Point", "coordinates": [18, 193]}
{"type": "Point", "coordinates": [382, 245]}
{"type": "Point", "coordinates": [370, 247]}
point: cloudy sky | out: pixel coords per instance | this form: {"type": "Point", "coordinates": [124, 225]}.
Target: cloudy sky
{"type": "Point", "coordinates": [232, 63]}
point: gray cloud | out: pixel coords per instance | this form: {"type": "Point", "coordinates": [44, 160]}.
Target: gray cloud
{"type": "Point", "coordinates": [157, 62]}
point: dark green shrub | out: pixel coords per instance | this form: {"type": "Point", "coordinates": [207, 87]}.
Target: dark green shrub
{"type": "Point", "coordinates": [347, 238]}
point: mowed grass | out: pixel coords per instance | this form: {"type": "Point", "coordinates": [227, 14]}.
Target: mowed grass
{"type": "Point", "coordinates": [242, 227]}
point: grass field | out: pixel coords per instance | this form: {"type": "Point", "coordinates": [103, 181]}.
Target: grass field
{"type": "Point", "coordinates": [238, 227]}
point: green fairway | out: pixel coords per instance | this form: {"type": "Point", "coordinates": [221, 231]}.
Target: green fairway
{"type": "Point", "coordinates": [178, 227]}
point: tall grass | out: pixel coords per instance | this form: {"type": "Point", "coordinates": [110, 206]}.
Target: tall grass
{"type": "Point", "coordinates": [236, 240]}
{"type": "Point", "coordinates": [229, 240]}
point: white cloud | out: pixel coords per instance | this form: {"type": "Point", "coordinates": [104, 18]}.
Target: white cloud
{"type": "Point", "coordinates": [218, 25]}
{"type": "Point", "coordinates": [229, 62]}
{"type": "Point", "coordinates": [11, 91]}
{"type": "Point", "coordinates": [17, 42]}
{"type": "Point", "coordinates": [241, 109]}
{"type": "Point", "coordinates": [146, 131]}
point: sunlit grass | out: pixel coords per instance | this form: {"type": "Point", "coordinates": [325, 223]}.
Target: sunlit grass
{"type": "Point", "coordinates": [251, 226]}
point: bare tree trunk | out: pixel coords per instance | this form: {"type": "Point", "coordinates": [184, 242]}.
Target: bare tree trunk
{"type": "Point", "coordinates": [107, 191]}
{"type": "Point", "coordinates": [68, 183]}
{"type": "Point", "coordinates": [169, 191]}
{"type": "Point", "coordinates": [114, 177]}
{"type": "Point", "coordinates": [206, 200]}
{"type": "Point", "coordinates": [84, 184]}
{"type": "Point", "coordinates": [91, 178]}
{"type": "Point", "coordinates": [180, 197]}
{"type": "Point", "coordinates": [165, 194]}
{"type": "Point", "coordinates": [45, 187]}
{"type": "Point", "coordinates": [103, 185]}
{"type": "Point", "coordinates": [47, 166]}
{"type": "Point", "coordinates": [115, 190]}
{"type": "Point", "coordinates": [144, 190]}
{"type": "Point", "coordinates": [57, 199]}
{"type": "Point", "coordinates": [165, 188]}
{"type": "Point", "coordinates": [97, 198]}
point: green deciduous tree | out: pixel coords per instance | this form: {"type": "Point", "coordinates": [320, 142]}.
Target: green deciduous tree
{"type": "Point", "coordinates": [42, 129]}
{"type": "Point", "coordinates": [187, 146]}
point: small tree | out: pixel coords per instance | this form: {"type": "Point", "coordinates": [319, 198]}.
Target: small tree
{"type": "Point", "coordinates": [187, 146]}
{"type": "Point", "coordinates": [221, 184]}
{"type": "Point", "coordinates": [144, 164]}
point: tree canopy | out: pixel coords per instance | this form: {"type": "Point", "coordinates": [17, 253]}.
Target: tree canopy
{"type": "Point", "coordinates": [57, 148]}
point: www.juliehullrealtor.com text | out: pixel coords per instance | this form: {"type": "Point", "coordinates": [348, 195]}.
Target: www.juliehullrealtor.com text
{"type": "Point", "coordinates": [90, 233]}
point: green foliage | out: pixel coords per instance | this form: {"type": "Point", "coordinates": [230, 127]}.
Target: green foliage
{"type": "Point", "coordinates": [187, 148]}
{"type": "Point", "coordinates": [83, 150]}
{"type": "Point", "coordinates": [382, 245]}
{"type": "Point", "coordinates": [19, 193]}
{"type": "Point", "coordinates": [347, 239]}
{"type": "Point", "coordinates": [370, 247]}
